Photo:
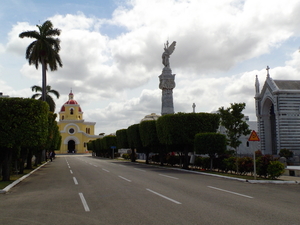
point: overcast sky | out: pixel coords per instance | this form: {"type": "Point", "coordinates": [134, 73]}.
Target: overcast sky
{"type": "Point", "coordinates": [111, 52]}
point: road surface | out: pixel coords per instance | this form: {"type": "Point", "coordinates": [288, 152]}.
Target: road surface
{"type": "Point", "coordinates": [77, 189]}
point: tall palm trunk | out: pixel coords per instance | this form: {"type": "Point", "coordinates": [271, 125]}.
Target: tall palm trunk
{"type": "Point", "coordinates": [44, 80]}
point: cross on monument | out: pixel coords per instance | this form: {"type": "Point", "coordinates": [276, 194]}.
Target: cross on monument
{"type": "Point", "coordinates": [194, 106]}
{"type": "Point", "coordinates": [268, 68]}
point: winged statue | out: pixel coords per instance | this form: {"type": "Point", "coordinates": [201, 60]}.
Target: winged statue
{"type": "Point", "coordinates": [168, 51]}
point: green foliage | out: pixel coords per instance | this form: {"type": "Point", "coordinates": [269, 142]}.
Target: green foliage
{"type": "Point", "coordinates": [245, 165]}
{"type": "Point", "coordinates": [286, 153]}
{"type": "Point", "coordinates": [122, 140]}
{"type": "Point", "coordinates": [230, 164]}
{"type": "Point", "coordinates": [232, 119]}
{"type": "Point", "coordinates": [54, 136]}
{"type": "Point", "coordinates": [181, 128]}
{"type": "Point", "coordinates": [109, 141]}
{"type": "Point", "coordinates": [23, 122]}
{"type": "Point", "coordinates": [148, 133]}
{"type": "Point", "coordinates": [262, 164]}
{"type": "Point", "coordinates": [275, 169]}
{"type": "Point", "coordinates": [126, 156]}
{"type": "Point", "coordinates": [49, 99]}
{"type": "Point", "coordinates": [210, 143]}
{"type": "Point", "coordinates": [133, 135]}
{"type": "Point", "coordinates": [43, 50]}
{"type": "Point", "coordinates": [23, 125]}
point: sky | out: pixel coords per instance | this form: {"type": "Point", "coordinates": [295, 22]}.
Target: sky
{"type": "Point", "coordinates": [111, 53]}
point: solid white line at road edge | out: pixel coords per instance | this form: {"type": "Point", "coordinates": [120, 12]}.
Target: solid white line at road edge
{"type": "Point", "coordinates": [85, 205]}
{"type": "Point", "coordinates": [219, 189]}
{"type": "Point", "coordinates": [75, 180]}
{"type": "Point", "coordinates": [165, 197]}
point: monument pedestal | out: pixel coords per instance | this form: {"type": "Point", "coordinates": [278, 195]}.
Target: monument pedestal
{"type": "Point", "coordinates": [166, 84]}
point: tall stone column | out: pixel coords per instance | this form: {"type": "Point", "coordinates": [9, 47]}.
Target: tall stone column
{"type": "Point", "coordinates": [167, 81]}
{"type": "Point", "coordinates": [166, 84]}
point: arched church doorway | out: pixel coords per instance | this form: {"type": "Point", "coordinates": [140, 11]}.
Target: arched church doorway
{"type": "Point", "coordinates": [71, 146]}
{"type": "Point", "coordinates": [269, 121]}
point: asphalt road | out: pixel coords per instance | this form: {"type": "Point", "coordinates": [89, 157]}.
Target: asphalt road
{"type": "Point", "coordinates": [75, 189]}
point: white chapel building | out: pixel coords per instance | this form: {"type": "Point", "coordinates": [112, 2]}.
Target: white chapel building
{"type": "Point", "coordinates": [278, 115]}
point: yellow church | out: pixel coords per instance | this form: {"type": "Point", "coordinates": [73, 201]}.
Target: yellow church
{"type": "Point", "coordinates": [75, 132]}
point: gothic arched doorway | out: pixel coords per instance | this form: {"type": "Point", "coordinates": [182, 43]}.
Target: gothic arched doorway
{"type": "Point", "coordinates": [269, 123]}
{"type": "Point", "coordinates": [71, 146]}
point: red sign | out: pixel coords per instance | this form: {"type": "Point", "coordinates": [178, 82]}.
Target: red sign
{"type": "Point", "coordinates": [253, 136]}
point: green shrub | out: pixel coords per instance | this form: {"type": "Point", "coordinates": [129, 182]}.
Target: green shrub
{"type": "Point", "coordinates": [286, 153]}
{"type": "Point", "coordinates": [198, 161]}
{"type": "Point", "coordinates": [275, 169]}
{"type": "Point", "coordinates": [230, 164]}
{"type": "Point", "coordinates": [262, 164]}
{"type": "Point", "coordinates": [245, 165]}
{"type": "Point", "coordinates": [205, 163]}
{"type": "Point", "coordinates": [126, 156]}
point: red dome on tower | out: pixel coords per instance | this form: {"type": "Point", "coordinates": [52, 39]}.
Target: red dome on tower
{"type": "Point", "coordinates": [71, 101]}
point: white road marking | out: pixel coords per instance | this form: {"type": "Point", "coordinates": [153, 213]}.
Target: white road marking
{"type": "Point", "coordinates": [231, 192]}
{"type": "Point", "coordinates": [165, 197]}
{"type": "Point", "coordinates": [71, 171]}
{"type": "Point", "coordinates": [95, 165]}
{"type": "Point", "coordinates": [168, 176]}
{"type": "Point", "coordinates": [85, 205]}
{"type": "Point", "coordinates": [69, 167]}
{"type": "Point", "coordinates": [140, 170]}
{"type": "Point", "coordinates": [75, 181]}
{"type": "Point", "coordinates": [105, 170]}
{"type": "Point", "coordinates": [125, 178]}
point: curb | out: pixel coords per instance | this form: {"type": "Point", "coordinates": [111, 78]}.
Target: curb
{"type": "Point", "coordinates": [8, 187]}
{"type": "Point", "coordinates": [238, 179]}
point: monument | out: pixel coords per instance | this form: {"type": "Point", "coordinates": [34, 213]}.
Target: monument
{"type": "Point", "coordinates": [167, 81]}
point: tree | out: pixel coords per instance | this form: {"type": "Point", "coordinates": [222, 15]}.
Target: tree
{"type": "Point", "coordinates": [286, 153]}
{"type": "Point", "coordinates": [44, 50]}
{"type": "Point", "coordinates": [210, 143]}
{"type": "Point", "coordinates": [179, 129]}
{"type": "Point", "coordinates": [232, 119]}
{"type": "Point", "coordinates": [134, 139]}
{"type": "Point", "coordinates": [149, 138]}
{"type": "Point", "coordinates": [49, 99]}
{"type": "Point", "coordinates": [23, 125]}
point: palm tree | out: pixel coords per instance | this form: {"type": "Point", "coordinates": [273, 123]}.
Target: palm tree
{"type": "Point", "coordinates": [44, 50]}
{"type": "Point", "coordinates": [49, 99]}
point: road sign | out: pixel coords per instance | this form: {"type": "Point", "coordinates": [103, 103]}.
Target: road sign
{"type": "Point", "coordinates": [253, 136]}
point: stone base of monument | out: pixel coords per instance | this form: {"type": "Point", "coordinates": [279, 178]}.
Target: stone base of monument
{"type": "Point", "coordinates": [167, 83]}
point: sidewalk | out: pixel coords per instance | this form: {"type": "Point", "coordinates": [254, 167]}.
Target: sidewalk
{"type": "Point", "coordinates": [8, 187]}
{"type": "Point", "coordinates": [281, 180]}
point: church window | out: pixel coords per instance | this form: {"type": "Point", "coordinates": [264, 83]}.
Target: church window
{"type": "Point", "coordinates": [63, 117]}
{"type": "Point", "coordinates": [71, 111]}
{"type": "Point", "coordinates": [71, 130]}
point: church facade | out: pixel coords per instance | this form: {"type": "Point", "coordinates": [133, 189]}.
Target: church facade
{"type": "Point", "coordinates": [75, 132]}
{"type": "Point", "coordinates": [278, 115]}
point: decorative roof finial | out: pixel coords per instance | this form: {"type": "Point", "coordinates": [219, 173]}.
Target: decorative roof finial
{"type": "Point", "coordinates": [268, 68]}
{"type": "Point", "coordinates": [257, 85]}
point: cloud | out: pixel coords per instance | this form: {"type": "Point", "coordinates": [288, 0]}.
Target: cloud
{"type": "Point", "coordinates": [213, 37]}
